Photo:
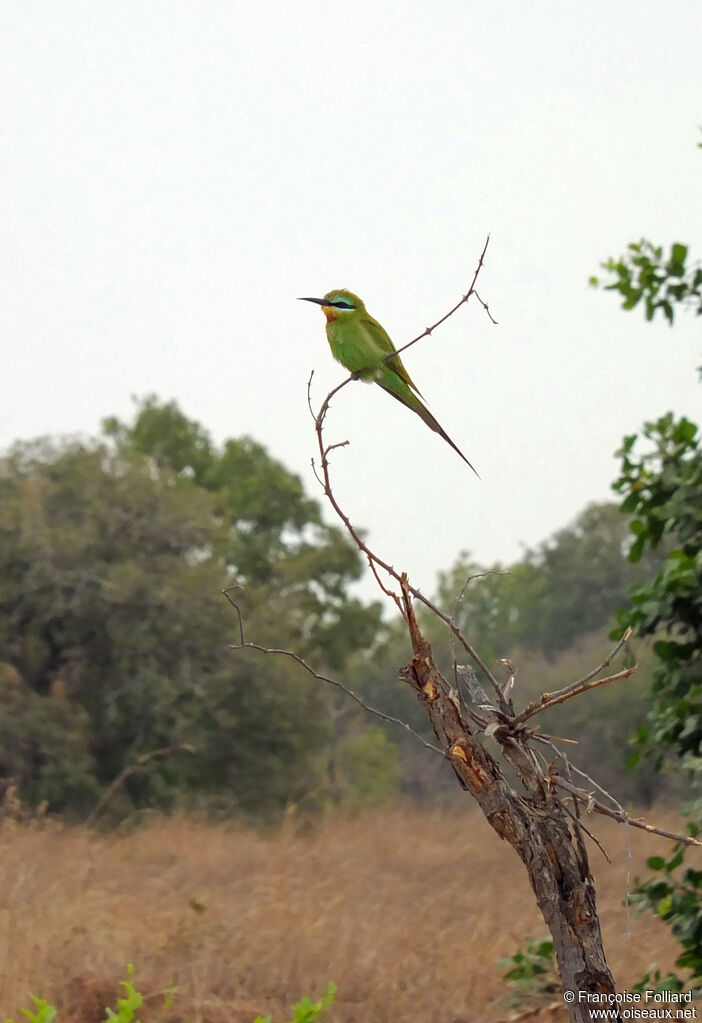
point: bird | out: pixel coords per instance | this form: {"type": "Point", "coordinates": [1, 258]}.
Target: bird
{"type": "Point", "coordinates": [364, 347]}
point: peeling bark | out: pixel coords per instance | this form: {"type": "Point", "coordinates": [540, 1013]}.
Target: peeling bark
{"type": "Point", "coordinates": [548, 839]}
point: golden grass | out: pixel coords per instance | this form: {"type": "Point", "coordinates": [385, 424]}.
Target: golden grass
{"type": "Point", "coordinates": [407, 912]}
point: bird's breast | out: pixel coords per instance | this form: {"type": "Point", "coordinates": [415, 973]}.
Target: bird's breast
{"type": "Point", "coordinates": [354, 347]}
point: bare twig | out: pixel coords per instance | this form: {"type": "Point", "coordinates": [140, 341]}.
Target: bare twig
{"type": "Point", "coordinates": [243, 644]}
{"type": "Point", "coordinates": [461, 594]}
{"type": "Point", "coordinates": [575, 813]}
{"type": "Point", "coordinates": [575, 816]}
{"type": "Point", "coordinates": [570, 768]}
{"type": "Point", "coordinates": [425, 333]}
{"type": "Point", "coordinates": [570, 693]}
{"type": "Point", "coordinates": [592, 806]}
{"type": "Point", "coordinates": [363, 547]}
{"type": "Point", "coordinates": [138, 765]}
{"type": "Point", "coordinates": [471, 291]}
{"type": "Point", "coordinates": [485, 307]}
{"type": "Point", "coordinates": [581, 685]}
{"type": "Point", "coordinates": [538, 735]}
{"type": "Point", "coordinates": [383, 587]}
{"type": "Point", "coordinates": [607, 795]}
{"type": "Point", "coordinates": [373, 558]}
{"type": "Point", "coordinates": [600, 667]}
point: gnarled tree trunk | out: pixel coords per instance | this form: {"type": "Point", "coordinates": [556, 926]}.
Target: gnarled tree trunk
{"type": "Point", "coordinates": [548, 839]}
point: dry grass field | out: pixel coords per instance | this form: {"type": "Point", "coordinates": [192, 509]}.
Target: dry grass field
{"type": "Point", "coordinates": [407, 913]}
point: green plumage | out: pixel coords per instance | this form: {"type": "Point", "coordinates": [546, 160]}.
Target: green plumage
{"type": "Point", "coordinates": [362, 345]}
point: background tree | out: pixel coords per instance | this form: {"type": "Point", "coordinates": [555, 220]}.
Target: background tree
{"type": "Point", "coordinates": [139, 531]}
{"type": "Point", "coordinates": [115, 636]}
{"type": "Point", "coordinates": [547, 613]}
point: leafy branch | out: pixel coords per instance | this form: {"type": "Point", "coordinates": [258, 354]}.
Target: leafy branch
{"type": "Point", "coordinates": [646, 274]}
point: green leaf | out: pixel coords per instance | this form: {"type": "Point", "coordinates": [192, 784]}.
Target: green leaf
{"type": "Point", "coordinates": [678, 255]}
{"type": "Point", "coordinates": [632, 298]}
{"type": "Point", "coordinates": [636, 550]}
{"type": "Point", "coordinates": [675, 862]}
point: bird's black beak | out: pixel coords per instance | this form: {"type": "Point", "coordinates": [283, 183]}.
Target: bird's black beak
{"type": "Point", "coordinates": [319, 301]}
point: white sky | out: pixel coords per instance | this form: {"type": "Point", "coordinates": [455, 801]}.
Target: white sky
{"type": "Point", "coordinates": [176, 173]}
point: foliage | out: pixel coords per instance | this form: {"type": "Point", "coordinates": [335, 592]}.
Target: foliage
{"type": "Point", "coordinates": [370, 763]}
{"type": "Point", "coordinates": [44, 1014]}
{"type": "Point", "coordinates": [661, 281]}
{"type": "Point", "coordinates": [653, 980]}
{"type": "Point", "coordinates": [44, 745]}
{"type": "Point", "coordinates": [531, 972]}
{"type": "Point", "coordinates": [306, 1011]}
{"type": "Point", "coordinates": [101, 570]}
{"type": "Point", "coordinates": [549, 614]}
{"type": "Point", "coordinates": [115, 636]}
{"type": "Point", "coordinates": [127, 1006]}
{"type": "Point", "coordinates": [662, 490]}
{"type": "Point", "coordinates": [674, 896]}
{"type": "Point", "coordinates": [116, 640]}
{"type": "Point", "coordinates": [662, 493]}
{"type": "Point", "coordinates": [569, 586]}
{"type": "Point", "coordinates": [273, 537]}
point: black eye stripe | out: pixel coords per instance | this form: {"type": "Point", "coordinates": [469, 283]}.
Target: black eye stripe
{"type": "Point", "coordinates": [343, 304]}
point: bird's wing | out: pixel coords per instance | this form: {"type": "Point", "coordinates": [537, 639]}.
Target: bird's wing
{"type": "Point", "coordinates": [383, 341]}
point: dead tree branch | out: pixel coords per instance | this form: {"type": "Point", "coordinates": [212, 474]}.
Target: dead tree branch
{"type": "Point", "coordinates": [471, 291]}
{"type": "Point", "coordinates": [243, 644]}
{"type": "Point", "coordinates": [546, 830]}
{"type": "Point", "coordinates": [581, 685]}
{"type": "Point", "coordinates": [547, 838]}
{"type": "Point", "coordinates": [593, 806]}
{"type": "Point", "coordinates": [547, 835]}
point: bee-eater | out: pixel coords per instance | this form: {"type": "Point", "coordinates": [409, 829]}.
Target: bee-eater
{"type": "Point", "coordinates": [360, 344]}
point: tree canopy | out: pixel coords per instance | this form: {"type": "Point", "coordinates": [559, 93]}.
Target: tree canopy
{"type": "Point", "coordinates": [115, 634]}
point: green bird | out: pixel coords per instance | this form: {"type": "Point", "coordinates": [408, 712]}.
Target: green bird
{"type": "Point", "coordinates": [360, 344]}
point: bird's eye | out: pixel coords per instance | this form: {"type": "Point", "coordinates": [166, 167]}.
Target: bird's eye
{"type": "Point", "coordinates": [343, 303]}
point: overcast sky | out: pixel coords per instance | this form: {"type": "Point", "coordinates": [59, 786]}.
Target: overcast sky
{"type": "Point", "coordinates": [175, 174]}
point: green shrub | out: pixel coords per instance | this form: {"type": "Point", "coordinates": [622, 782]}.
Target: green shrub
{"type": "Point", "coordinates": [531, 972]}
{"type": "Point", "coordinates": [305, 1011]}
